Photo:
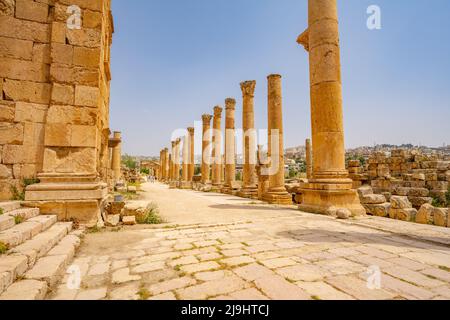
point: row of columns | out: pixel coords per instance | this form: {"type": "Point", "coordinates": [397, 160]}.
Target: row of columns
{"type": "Point", "coordinates": [328, 182]}
{"type": "Point", "coordinates": [218, 172]}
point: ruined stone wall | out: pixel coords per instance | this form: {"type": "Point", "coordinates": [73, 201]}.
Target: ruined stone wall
{"type": "Point", "coordinates": [54, 90]}
{"type": "Point", "coordinates": [420, 177]}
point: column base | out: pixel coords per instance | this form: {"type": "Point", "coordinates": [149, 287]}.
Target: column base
{"type": "Point", "coordinates": [173, 184]}
{"type": "Point", "coordinates": [185, 185]}
{"type": "Point", "coordinates": [249, 193]}
{"type": "Point", "coordinates": [70, 197]}
{"type": "Point", "coordinates": [232, 189]}
{"type": "Point", "coordinates": [205, 187]}
{"type": "Point", "coordinates": [278, 197]}
{"type": "Point", "coordinates": [318, 197]}
{"type": "Point", "coordinates": [216, 188]}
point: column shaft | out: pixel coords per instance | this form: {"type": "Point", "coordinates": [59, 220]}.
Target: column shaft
{"type": "Point", "coordinates": [217, 145]}
{"type": "Point", "coordinates": [191, 169]}
{"type": "Point", "coordinates": [230, 144]}
{"type": "Point", "coordinates": [206, 155]}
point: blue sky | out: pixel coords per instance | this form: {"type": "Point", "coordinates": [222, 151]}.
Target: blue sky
{"type": "Point", "coordinates": [177, 59]}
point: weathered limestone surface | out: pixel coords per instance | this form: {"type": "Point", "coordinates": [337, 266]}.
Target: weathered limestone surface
{"type": "Point", "coordinates": [217, 149]}
{"type": "Point", "coordinates": [54, 102]}
{"type": "Point", "coordinates": [276, 193]}
{"type": "Point", "coordinates": [330, 185]}
{"type": "Point", "coordinates": [230, 146]}
{"type": "Point", "coordinates": [206, 149]}
{"type": "Point", "coordinates": [249, 188]}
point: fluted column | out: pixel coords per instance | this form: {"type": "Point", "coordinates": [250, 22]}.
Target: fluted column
{"type": "Point", "coordinates": [117, 157]}
{"type": "Point", "coordinates": [230, 145]}
{"type": "Point", "coordinates": [206, 142]}
{"type": "Point", "coordinates": [329, 185]}
{"type": "Point", "coordinates": [277, 191]}
{"type": "Point", "coordinates": [217, 144]}
{"type": "Point", "coordinates": [191, 162]}
{"type": "Point", "coordinates": [249, 187]}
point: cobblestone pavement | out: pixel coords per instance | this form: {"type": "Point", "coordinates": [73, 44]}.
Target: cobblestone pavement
{"type": "Point", "coordinates": [222, 247]}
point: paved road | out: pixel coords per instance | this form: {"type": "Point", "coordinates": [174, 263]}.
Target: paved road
{"type": "Point", "coordinates": [222, 247]}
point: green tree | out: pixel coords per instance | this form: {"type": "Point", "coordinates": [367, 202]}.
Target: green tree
{"type": "Point", "coordinates": [129, 162]}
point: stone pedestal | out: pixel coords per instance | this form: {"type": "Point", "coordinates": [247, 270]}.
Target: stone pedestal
{"type": "Point", "coordinates": [75, 196]}
{"type": "Point", "coordinates": [276, 193]}
{"type": "Point", "coordinates": [329, 185]}
{"type": "Point", "coordinates": [249, 188]}
{"type": "Point", "coordinates": [206, 149]}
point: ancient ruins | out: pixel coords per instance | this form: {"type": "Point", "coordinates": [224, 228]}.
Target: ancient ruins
{"type": "Point", "coordinates": [229, 230]}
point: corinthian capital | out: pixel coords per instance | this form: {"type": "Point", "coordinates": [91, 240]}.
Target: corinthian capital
{"type": "Point", "coordinates": [218, 111]}
{"type": "Point", "coordinates": [248, 88]}
{"type": "Point", "coordinates": [230, 104]}
{"type": "Point", "coordinates": [206, 118]}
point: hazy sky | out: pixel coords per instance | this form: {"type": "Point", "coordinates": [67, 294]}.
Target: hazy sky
{"type": "Point", "coordinates": [173, 60]}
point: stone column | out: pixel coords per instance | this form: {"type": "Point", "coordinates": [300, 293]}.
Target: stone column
{"type": "Point", "coordinates": [206, 152]}
{"type": "Point", "coordinates": [185, 184]}
{"type": "Point", "coordinates": [216, 151]}
{"type": "Point", "coordinates": [249, 187]}
{"type": "Point", "coordinates": [308, 150]}
{"type": "Point", "coordinates": [161, 161]}
{"type": "Point", "coordinates": [172, 165]}
{"type": "Point", "coordinates": [277, 193]}
{"type": "Point", "coordinates": [170, 168]}
{"type": "Point", "coordinates": [230, 146]}
{"type": "Point", "coordinates": [191, 163]}
{"type": "Point", "coordinates": [330, 185]}
{"type": "Point", "coordinates": [261, 169]}
{"type": "Point", "coordinates": [116, 161]}
{"type": "Point", "coordinates": [166, 164]}
{"type": "Point", "coordinates": [177, 160]}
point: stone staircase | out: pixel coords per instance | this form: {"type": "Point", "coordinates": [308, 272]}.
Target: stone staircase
{"type": "Point", "coordinates": [39, 250]}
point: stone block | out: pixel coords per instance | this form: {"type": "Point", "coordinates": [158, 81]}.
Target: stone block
{"type": "Point", "coordinates": [407, 214]}
{"type": "Point", "coordinates": [30, 112]}
{"type": "Point", "coordinates": [32, 10]}
{"type": "Point", "coordinates": [23, 70]}
{"type": "Point", "coordinates": [83, 136]}
{"type": "Point", "coordinates": [86, 57]}
{"type": "Point", "coordinates": [6, 112]}
{"type": "Point", "coordinates": [417, 202]}
{"type": "Point", "coordinates": [425, 214]}
{"type": "Point", "coordinates": [90, 38]}
{"type": "Point", "coordinates": [11, 133]}
{"type": "Point", "coordinates": [365, 190]}
{"type": "Point", "coordinates": [5, 172]}
{"type": "Point", "coordinates": [62, 160]}
{"type": "Point", "coordinates": [16, 48]}
{"type": "Point", "coordinates": [129, 220]}
{"type": "Point", "coordinates": [113, 220]}
{"type": "Point", "coordinates": [62, 53]}
{"type": "Point", "coordinates": [418, 192]}
{"type": "Point", "coordinates": [58, 32]}
{"type": "Point", "coordinates": [27, 91]}
{"type": "Point", "coordinates": [92, 19]}
{"type": "Point", "coordinates": [22, 29]}
{"type": "Point", "coordinates": [378, 210]}
{"type": "Point", "coordinates": [399, 202]}
{"type": "Point", "coordinates": [63, 94]}
{"type": "Point", "coordinates": [440, 217]}
{"type": "Point", "coordinates": [7, 8]}
{"type": "Point", "coordinates": [418, 176]}
{"type": "Point", "coordinates": [86, 96]}
{"type": "Point", "coordinates": [41, 53]}
{"type": "Point", "coordinates": [85, 4]}
{"type": "Point", "coordinates": [373, 199]}
{"type": "Point", "coordinates": [57, 135]}
{"type": "Point", "coordinates": [77, 75]}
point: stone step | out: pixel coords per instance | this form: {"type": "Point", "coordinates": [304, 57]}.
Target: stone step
{"type": "Point", "coordinates": [41, 244]}
{"type": "Point", "coordinates": [26, 290]}
{"type": "Point", "coordinates": [8, 219]}
{"type": "Point", "coordinates": [24, 231]}
{"type": "Point", "coordinates": [47, 256]}
{"type": "Point", "coordinates": [6, 222]}
{"type": "Point", "coordinates": [9, 206]}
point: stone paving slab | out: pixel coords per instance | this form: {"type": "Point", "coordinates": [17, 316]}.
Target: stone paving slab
{"type": "Point", "coordinates": [274, 254]}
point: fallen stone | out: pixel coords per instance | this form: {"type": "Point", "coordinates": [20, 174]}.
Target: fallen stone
{"type": "Point", "coordinates": [113, 220]}
{"type": "Point", "coordinates": [440, 217]}
{"type": "Point", "coordinates": [129, 220]}
{"type": "Point", "coordinates": [373, 199]}
{"type": "Point", "coordinates": [425, 214]}
{"type": "Point", "coordinates": [343, 214]}
{"type": "Point", "coordinates": [400, 202]}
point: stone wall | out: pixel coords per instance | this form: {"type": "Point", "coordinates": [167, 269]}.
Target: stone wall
{"type": "Point", "coordinates": [54, 90]}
